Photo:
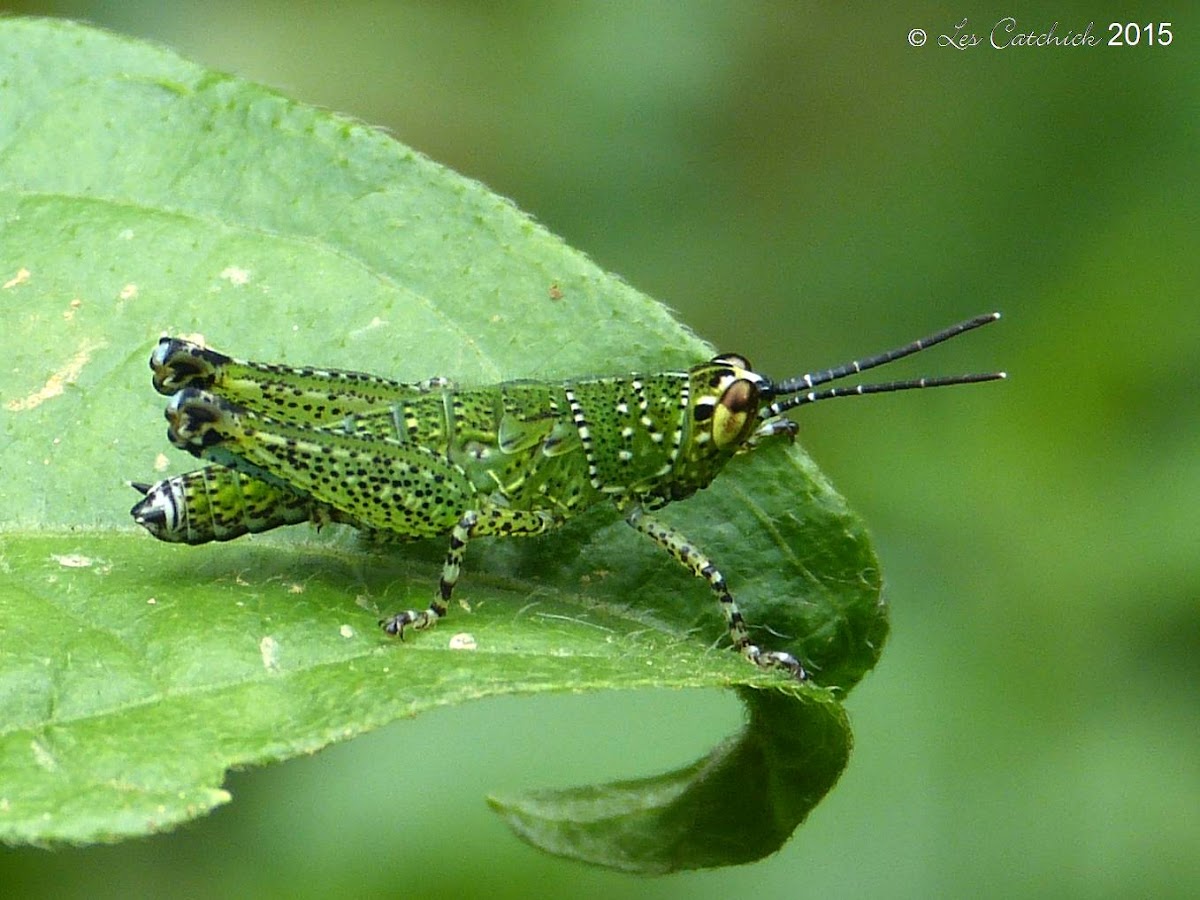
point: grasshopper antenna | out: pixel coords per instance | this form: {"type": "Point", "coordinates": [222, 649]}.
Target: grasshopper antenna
{"type": "Point", "coordinates": [789, 390]}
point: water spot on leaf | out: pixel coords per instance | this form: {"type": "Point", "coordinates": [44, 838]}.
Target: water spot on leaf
{"type": "Point", "coordinates": [236, 275]}
{"type": "Point", "coordinates": [462, 641]}
{"type": "Point", "coordinates": [269, 648]}
{"type": "Point", "coordinates": [42, 756]}
{"type": "Point", "coordinates": [21, 277]}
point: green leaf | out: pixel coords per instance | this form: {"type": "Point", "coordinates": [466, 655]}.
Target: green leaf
{"type": "Point", "coordinates": [141, 195]}
{"type": "Point", "coordinates": [706, 814]}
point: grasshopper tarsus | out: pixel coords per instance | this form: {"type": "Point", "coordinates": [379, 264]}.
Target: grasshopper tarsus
{"type": "Point", "coordinates": [775, 659]}
{"type": "Point", "coordinates": [418, 621]}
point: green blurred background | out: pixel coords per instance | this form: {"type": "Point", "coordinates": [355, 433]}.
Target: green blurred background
{"type": "Point", "coordinates": [803, 186]}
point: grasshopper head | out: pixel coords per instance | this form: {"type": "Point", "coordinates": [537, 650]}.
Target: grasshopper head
{"type": "Point", "coordinates": [732, 407]}
{"type": "Point", "coordinates": [726, 402]}
{"type": "Point", "coordinates": [723, 409]}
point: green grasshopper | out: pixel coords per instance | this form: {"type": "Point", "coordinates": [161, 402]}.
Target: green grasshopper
{"type": "Point", "coordinates": [433, 459]}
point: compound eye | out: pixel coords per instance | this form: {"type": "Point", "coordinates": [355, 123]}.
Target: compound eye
{"type": "Point", "coordinates": [735, 412]}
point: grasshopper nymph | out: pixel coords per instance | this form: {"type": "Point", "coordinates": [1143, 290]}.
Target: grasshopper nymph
{"type": "Point", "coordinates": [433, 459]}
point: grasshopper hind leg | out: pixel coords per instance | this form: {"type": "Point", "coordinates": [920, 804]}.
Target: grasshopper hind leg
{"type": "Point", "coordinates": [686, 553]}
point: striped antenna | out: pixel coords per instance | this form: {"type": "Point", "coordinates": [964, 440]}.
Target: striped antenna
{"type": "Point", "coordinates": [789, 389]}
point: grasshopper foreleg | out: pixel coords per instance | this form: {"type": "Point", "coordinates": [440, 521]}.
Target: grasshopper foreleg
{"type": "Point", "coordinates": [686, 553]}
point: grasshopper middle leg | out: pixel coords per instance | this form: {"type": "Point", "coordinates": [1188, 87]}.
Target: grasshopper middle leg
{"type": "Point", "coordinates": [489, 520]}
